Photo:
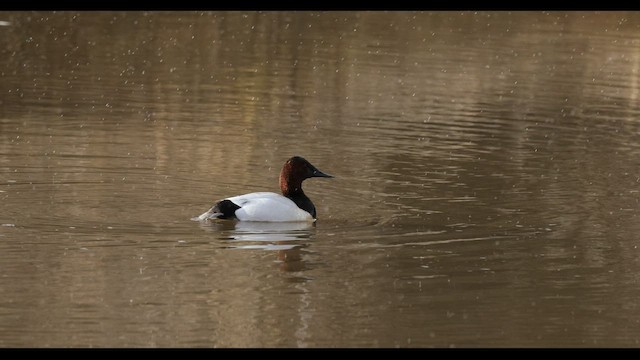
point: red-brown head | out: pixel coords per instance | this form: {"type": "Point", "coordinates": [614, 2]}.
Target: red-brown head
{"type": "Point", "coordinates": [294, 172]}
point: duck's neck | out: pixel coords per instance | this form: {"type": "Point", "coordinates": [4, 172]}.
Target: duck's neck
{"type": "Point", "coordinates": [289, 186]}
{"type": "Point", "coordinates": [293, 191]}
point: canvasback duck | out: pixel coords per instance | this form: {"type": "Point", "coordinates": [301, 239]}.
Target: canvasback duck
{"type": "Point", "coordinates": [292, 205]}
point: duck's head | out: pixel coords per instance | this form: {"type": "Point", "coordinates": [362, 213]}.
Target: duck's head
{"type": "Point", "coordinates": [295, 171]}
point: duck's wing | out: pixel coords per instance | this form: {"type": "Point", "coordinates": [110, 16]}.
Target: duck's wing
{"type": "Point", "coordinates": [268, 206]}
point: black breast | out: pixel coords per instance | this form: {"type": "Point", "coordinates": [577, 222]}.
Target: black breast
{"type": "Point", "coordinates": [304, 203]}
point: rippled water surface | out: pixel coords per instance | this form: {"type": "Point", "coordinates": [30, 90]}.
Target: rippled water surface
{"type": "Point", "coordinates": [486, 188]}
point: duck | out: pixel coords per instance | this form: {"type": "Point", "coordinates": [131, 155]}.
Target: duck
{"type": "Point", "coordinates": [292, 206]}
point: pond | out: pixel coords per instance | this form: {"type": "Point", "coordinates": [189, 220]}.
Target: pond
{"type": "Point", "coordinates": [486, 188]}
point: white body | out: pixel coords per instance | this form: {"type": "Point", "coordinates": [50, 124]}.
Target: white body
{"type": "Point", "coordinates": [265, 206]}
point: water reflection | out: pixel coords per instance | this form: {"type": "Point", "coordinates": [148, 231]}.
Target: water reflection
{"type": "Point", "coordinates": [287, 239]}
{"type": "Point", "coordinates": [255, 231]}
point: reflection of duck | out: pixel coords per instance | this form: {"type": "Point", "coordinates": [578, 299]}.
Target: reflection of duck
{"type": "Point", "coordinates": [291, 260]}
{"type": "Point", "coordinates": [279, 236]}
{"type": "Point", "coordinates": [292, 205]}
{"type": "Point", "coordinates": [271, 227]}
{"type": "Point", "coordinates": [268, 235]}
{"type": "Point", "coordinates": [285, 238]}
{"type": "Point", "coordinates": [274, 231]}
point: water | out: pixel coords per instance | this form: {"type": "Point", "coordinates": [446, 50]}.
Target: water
{"type": "Point", "coordinates": [486, 190]}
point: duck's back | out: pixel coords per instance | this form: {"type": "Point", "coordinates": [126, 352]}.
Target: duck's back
{"type": "Point", "coordinates": [268, 206]}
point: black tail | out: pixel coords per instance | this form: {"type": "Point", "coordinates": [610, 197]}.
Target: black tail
{"type": "Point", "coordinates": [224, 209]}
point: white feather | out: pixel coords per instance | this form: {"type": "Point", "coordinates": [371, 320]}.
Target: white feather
{"type": "Point", "coordinates": [264, 206]}
{"type": "Point", "coordinates": [268, 206]}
